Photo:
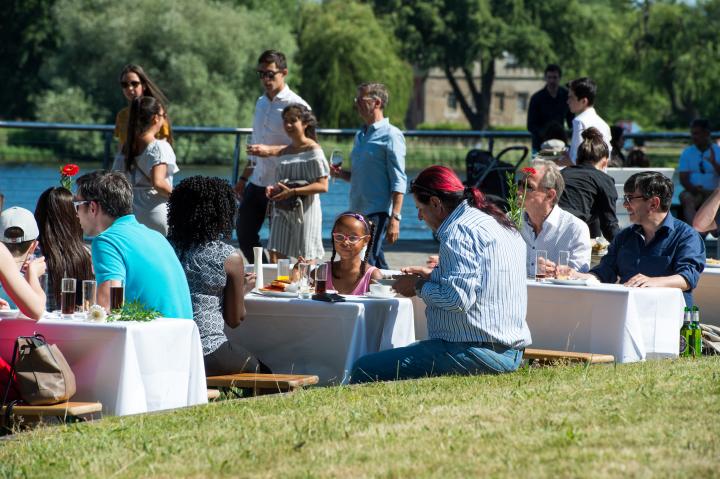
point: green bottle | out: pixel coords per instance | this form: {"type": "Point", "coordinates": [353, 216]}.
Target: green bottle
{"type": "Point", "coordinates": [686, 334]}
{"type": "Point", "coordinates": [696, 336]}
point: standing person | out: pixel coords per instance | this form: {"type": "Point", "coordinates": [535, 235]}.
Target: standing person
{"type": "Point", "coordinates": [135, 84]}
{"type": "Point", "coordinates": [548, 106]}
{"type": "Point", "coordinates": [699, 169]}
{"type": "Point", "coordinates": [301, 176]}
{"type": "Point", "coordinates": [377, 179]}
{"type": "Point", "coordinates": [581, 100]}
{"type": "Point", "coordinates": [268, 133]}
{"type": "Point", "coordinates": [476, 297]}
{"type": "Point", "coordinates": [149, 163]}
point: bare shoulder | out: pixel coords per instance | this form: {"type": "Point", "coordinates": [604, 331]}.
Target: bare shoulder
{"type": "Point", "coordinates": [234, 265]}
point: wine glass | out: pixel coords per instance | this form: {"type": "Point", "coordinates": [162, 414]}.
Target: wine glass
{"type": "Point", "coordinates": [336, 159]}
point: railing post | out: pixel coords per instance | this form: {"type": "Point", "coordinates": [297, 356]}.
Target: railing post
{"type": "Point", "coordinates": [236, 159]}
{"type": "Point", "coordinates": [107, 160]}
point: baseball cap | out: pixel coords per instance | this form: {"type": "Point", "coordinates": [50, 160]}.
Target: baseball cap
{"type": "Point", "coordinates": [16, 217]}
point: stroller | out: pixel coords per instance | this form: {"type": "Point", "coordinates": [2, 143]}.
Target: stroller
{"type": "Point", "coordinates": [487, 173]}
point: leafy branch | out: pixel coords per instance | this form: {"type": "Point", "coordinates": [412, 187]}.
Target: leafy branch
{"type": "Point", "coordinates": [134, 311]}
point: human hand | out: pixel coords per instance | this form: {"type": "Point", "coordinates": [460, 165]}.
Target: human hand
{"type": "Point", "coordinates": [549, 267]}
{"type": "Point", "coordinates": [393, 231]}
{"type": "Point", "coordinates": [36, 268]}
{"type": "Point", "coordinates": [240, 189]}
{"type": "Point", "coordinates": [422, 271]}
{"type": "Point", "coordinates": [269, 191]}
{"type": "Point", "coordinates": [336, 171]}
{"type": "Point", "coordinates": [4, 304]}
{"type": "Point", "coordinates": [642, 281]}
{"type": "Point", "coordinates": [432, 261]}
{"type": "Point", "coordinates": [281, 192]}
{"type": "Point", "coordinates": [259, 150]}
{"type": "Point", "coordinates": [249, 285]}
{"type": "Point", "coordinates": [405, 285]}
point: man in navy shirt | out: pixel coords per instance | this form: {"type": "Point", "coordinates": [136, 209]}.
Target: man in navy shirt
{"type": "Point", "coordinates": [657, 250]}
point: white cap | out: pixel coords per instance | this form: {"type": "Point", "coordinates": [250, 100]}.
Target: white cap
{"type": "Point", "coordinates": [16, 217]}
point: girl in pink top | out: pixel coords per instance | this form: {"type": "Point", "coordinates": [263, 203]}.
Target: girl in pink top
{"type": "Point", "coordinates": [351, 275]}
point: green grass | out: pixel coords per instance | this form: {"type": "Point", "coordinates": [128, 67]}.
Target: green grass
{"type": "Point", "coordinates": [655, 419]}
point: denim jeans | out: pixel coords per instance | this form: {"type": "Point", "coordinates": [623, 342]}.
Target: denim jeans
{"type": "Point", "coordinates": [435, 357]}
{"type": "Point", "coordinates": [377, 256]}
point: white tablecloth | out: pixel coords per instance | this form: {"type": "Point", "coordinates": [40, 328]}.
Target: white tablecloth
{"type": "Point", "coordinates": [130, 367]}
{"type": "Point", "coordinates": [707, 296]}
{"type": "Point", "coordinates": [312, 337]}
{"type": "Point", "coordinates": [632, 324]}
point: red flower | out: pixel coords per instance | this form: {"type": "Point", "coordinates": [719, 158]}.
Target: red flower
{"type": "Point", "coordinates": [70, 170]}
{"type": "Point", "coordinates": [529, 171]}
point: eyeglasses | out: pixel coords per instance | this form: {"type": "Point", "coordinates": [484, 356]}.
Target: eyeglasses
{"type": "Point", "coordinates": [352, 239]}
{"type": "Point", "coordinates": [627, 199]}
{"type": "Point", "coordinates": [128, 84]}
{"type": "Point", "coordinates": [77, 204]}
{"type": "Point", "coordinates": [162, 115]}
{"type": "Point", "coordinates": [363, 98]}
{"type": "Point", "coordinates": [268, 74]}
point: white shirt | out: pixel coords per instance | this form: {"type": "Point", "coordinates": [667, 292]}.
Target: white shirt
{"type": "Point", "coordinates": [583, 121]}
{"type": "Point", "coordinates": [561, 231]}
{"type": "Point", "coordinates": [698, 165]}
{"type": "Point", "coordinates": [268, 130]}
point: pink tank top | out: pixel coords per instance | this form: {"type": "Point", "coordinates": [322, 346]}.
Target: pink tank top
{"type": "Point", "coordinates": [362, 286]}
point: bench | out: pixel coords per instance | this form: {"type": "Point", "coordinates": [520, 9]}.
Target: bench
{"type": "Point", "coordinates": [213, 394]}
{"type": "Point", "coordinates": [262, 383]}
{"type": "Point", "coordinates": [548, 356]}
{"type": "Point", "coordinates": [68, 412]}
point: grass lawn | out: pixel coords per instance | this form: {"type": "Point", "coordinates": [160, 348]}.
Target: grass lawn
{"type": "Point", "coordinates": [655, 419]}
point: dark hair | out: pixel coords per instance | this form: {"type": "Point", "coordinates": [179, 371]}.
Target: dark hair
{"type": "Point", "coordinates": [273, 56]}
{"type": "Point", "coordinates": [616, 134]}
{"type": "Point", "coordinates": [61, 241]}
{"type": "Point", "coordinates": [142, 110]}
{"type": "Point", "coordinates": [111, 190]}
{"type": "Point", "coordinates": [305, 116]}
{"type": "Point", "coordinates": [701, 123]}
{"type": "Point", "coordinates": [649, 184]}
{"type": "Point", "coordinates": [584, 88]}
{"type": "Point", "coordinates": [593, 147]}
{"type": "Point", "coordinates": [149, 89]}
{"type": "Point", "coordinates": [552, 67]}
{"type": "Point", "coordinates": [442, 182]}
{"type": "Point", "coordinates": [17, 249]}
{"type": "Point", "coordinates": [200, 209]}
{"type": "Point", "coordinates": [555, 131]}
{"type": "Point", "coordinates": [369, 229]}
{"type": "Point", "coordinates": [637, 158]}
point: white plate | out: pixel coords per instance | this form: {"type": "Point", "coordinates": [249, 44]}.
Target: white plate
{"type": "Point", "coordinates": [379, 296]}
{"type": "Point", "coordinates": [277, 294]}
{"type": "Point", "coordinates": [568, 282]}
{"type": "Point", "coordinates": [9, 313]}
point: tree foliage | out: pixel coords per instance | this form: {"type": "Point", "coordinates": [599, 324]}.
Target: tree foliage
{"type": "Point", "coordinates": [342, 45]}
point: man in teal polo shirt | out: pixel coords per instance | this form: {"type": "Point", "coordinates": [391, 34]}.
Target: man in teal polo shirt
{"type": "Point", "coordinates": [123, 249]}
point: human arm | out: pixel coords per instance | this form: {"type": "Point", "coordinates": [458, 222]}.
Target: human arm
{"type": "Point", "coordinates": [338, 172]}
{"type": "Point", "coordinates": [265, 151]}
{"type": "Point", "coordinates": [579, 247]}
{"type": "Point", "coordinates": [607, 270]}
{"type": "Point", "coordinates": [25, 292]}
{"type": "Point", "coordinates": [577, 129]}
{"type": "Point", "coordinates": [606, 202]}
{"type": "Point", "coordinates": [398, 181]}
{"type": "Point", "coordinates": [282, 192]}
{"type": "Point", "coordinates": [673, 281]}
{"type": "Point", "coordinates": [158, 176]}
{"type": "Point", "coordinates": [243, 180]}
{"type": "Point", "coordinates": [236, 288]}
{"type": "Point", "coordinates": [533, 116]}
{"type": "Point", "coordinates": [109, 268]}
{"type": "Point", "coordinates": [422, 271]}
{"type": "Point", "coordinates": [393, 229]}
{"type": "Point", "coordinates": [705, 217]}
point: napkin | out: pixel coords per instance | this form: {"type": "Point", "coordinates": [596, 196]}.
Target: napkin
{"type": "Point", "coordinates": [258, 251]}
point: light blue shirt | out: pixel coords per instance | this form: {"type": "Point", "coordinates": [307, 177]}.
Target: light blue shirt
{"type": "Point", "coordinates": [146, 262]}
{"type": "Point", "coordinates": [378, 168]}
{"type": "Point", "coordinates": [698, 164]}
{"type": "Point", "coordinates": [478, 292]}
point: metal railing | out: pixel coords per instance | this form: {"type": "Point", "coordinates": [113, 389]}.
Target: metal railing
{"type": "Point", "coordinates": [240, 133]}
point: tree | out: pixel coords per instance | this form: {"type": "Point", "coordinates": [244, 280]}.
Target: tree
{"type": "Point", "coordinates": [342, 45]}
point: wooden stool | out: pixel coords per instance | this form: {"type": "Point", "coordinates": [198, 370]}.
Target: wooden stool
{"type": "Point", "coordinates": [548, 356]}
{"type": "Point", "coordinates": [67, 412]}
{"type": "Point", "coordinates": [262, 383]}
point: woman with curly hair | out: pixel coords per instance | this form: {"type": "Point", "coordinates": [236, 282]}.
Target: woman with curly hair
{"type": "Point", "coordinates": [200, 216]}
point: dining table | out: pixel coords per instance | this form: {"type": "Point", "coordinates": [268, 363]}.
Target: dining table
{"type": "Point", "coordinates": [706, 296]}
{"type": "Point", "coordinates": [130, 367]}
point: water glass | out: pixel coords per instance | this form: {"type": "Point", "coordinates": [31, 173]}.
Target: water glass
{"type": "Point", "coordinates": [562, 270]}
{"type": "Point", "coordinates": [304, 280]}
{"type": "Point", "coordinates": [283, 270]}
{"type": "Point", "coordinates": [67, 296]}
{"type": "Point", "coordinates": [321, 279]}
{"type": "Point", "coordinates": [117, 294]}
{"type": "Point", "coordinates": [540, 261]}
{"type": "Point", "coordinates": [43, 280]}
{"type": "Point", "coordinates": [89, 294]}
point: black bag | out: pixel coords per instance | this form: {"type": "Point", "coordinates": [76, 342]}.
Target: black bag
{"type": "Point", "coordinates": [293, 203]}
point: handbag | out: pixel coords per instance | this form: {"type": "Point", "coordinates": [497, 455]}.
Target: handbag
{"type": "Point", "coordinates": [291, 204]}
{"type": "Point", "coordinates": [40, 371]}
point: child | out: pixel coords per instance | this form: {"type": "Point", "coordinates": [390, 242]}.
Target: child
{"type": "Point", "coordinates": [351, 233]}
{"type": "Point", "coordinates": [19, 232]}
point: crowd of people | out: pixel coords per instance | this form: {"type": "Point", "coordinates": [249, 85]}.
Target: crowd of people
{"type": "Point", "coordinates": [170, 245]}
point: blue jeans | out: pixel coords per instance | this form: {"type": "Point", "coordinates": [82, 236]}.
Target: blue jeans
{"type": "Point", "coordinates": [435, 357]}
{"type": "Point", "coordinates": [377, 257]}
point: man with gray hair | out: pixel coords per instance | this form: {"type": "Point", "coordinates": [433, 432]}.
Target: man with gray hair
{"type": "Point", "coordinates": [546, 227]}
{"type": "Point", "coordinates": [377, 178]}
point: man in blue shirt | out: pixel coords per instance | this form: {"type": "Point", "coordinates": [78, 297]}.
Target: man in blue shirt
{"type": "Point", "coordinates": [124, 250]}
{"type": "Point", "coordinates": [657, 250]}
{"type": "Point", "coordinates": [377, 179]}
{"type": "Point", "coordinates": [699, 169]}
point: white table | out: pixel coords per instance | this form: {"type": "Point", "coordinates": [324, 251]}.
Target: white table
{"type": "Point", "coordinates": [707, 296]}
{"type": "Point", "coordinates": [312, 337]}
{"type": "Point", "coordinates": [632, 324]}
{"type": "Point", "coordinates": [130, 367]}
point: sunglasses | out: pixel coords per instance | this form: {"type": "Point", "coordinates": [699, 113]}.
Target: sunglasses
{"type": "Point", "coordinates": [78, 204]}
{"type": "Point", "coordinates": [267, 74]}
{"type": "Point", "coordinates": [352, 239]}
{"type": "Point", "coordinates": [128, 84]}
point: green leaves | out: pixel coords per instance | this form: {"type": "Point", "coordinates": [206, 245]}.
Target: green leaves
{"type": "Point", "coordinates": [133, 311]}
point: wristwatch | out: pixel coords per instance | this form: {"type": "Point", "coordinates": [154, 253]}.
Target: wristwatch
{"type": "Point", "coordinates": [396, 216]}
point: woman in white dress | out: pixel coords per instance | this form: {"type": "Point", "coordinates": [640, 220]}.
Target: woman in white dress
{"type": "Point", "coordinates": [149, 163]}
{"type": "Point", "coordinates": [301, 176]}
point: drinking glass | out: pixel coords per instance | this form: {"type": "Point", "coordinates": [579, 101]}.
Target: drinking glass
{"type": "Point", "coordinates": [43, 280]}
{"type": "Point", "coordinates": [540, 260]}
{"type": "Point", "coordinates": [89, 294]}
{"type": "Point", "coordinates": [336, 159]}
{"type": "Point", "coordinates": [304, 280]}
{"type": "Point", "coordinates": [562, 270]}
{"type": "Point", "coordinates": [283, 270]}
{"type": "Point", "coordinates": [67, 295]}
{"type": "Point", "coordinates": [117, 294]}
{"type": "Point", "coordinates": [321, 279]}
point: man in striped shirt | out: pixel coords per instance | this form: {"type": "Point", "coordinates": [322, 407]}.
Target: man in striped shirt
{"type": "Point", "coordinates": [476, 297]}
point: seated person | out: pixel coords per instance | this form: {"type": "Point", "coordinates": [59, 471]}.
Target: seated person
{"type": "Point", "coordinates": [657, 250]}
{"type": "Point", "coordinates": [476, 297]}
{"type": "Point", "coordinates": [699, 169]}
{"type": "Point", "coordinates": [124, 250]}
{"type": "Point", "coordinates": [546, 227]}
{"type": "Point", "coordinates": [617, 141]}
{"type": "Point", "coordinates": [351, 235]}
{"type": "Point", "coordinates": [201, 214]}
{"type": "Point", "coordinates": [706, 219]}
{"type": "Point", "coordinates": [637, 159]}
{"type": "Point", "coordinates": [19, 233]}
{"type": "Point", "coordinates": [589, 192]}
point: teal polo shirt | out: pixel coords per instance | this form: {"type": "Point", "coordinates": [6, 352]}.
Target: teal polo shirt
{"type": "Point", "coordinates": [147, 264]}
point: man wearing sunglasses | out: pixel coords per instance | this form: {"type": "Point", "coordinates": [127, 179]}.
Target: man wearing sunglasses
{"type": "Point", "coordinates": [267, 130]}
{"type": "Point", "coordinates": [657, 250]}
{"type": "Point", "coordinates": [699, 169]}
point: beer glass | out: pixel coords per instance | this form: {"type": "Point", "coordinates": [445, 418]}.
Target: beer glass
{"type": "Point", "coordinates": [67, 296]}
{"type": "Point", "coordinates": [89, 294]}
{"type": "Point", "coordinates": [540, 261]}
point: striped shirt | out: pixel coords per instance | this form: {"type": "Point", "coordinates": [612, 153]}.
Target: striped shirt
{"type": "Point", "coordinates": [478, 291]}
{"type": "Point", "coordinates": [561, 231]}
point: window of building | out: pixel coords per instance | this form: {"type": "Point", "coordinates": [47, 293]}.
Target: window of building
{"type": "Point", "coordinates": [522, 101]}
{"type": "Point", "coordinates": [500, 101]}
{"type": "Point", "coordinates": [451, 101]}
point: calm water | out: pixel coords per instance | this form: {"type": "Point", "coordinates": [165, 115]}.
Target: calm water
{"type": "Point", "coordinates": [22, 185]}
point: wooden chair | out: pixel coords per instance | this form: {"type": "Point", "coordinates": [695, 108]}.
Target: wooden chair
{"type": "Point", "coordinates": [548, 356]}
{"type": "Point", "coordinates": [260, 384]}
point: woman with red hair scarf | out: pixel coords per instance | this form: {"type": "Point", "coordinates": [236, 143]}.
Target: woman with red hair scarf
{"type": "Point", "coordinates": [476, 296]}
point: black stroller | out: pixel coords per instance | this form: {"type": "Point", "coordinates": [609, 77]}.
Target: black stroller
{"type": "Point", "coordinates": [488, 173]}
